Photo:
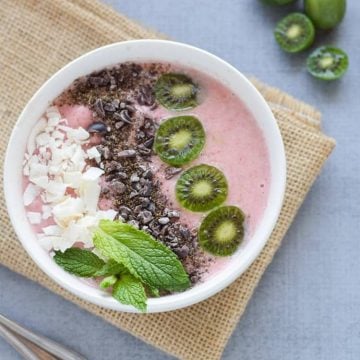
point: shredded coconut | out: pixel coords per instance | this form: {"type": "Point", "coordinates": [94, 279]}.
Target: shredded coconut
{"type": "Point", "coordinates": [55, 163]}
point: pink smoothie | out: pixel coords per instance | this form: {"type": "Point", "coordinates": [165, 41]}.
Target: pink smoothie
{"type": "Point", "coordinates": [235, 144]}
{"type": "Point", "coordinates": [77, 115]}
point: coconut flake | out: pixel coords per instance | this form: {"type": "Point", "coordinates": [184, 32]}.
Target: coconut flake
{"type": "Point", "coordinates": [34, 217]}
{"type": "Point", "coordinates": [34, 159]}
{"type": "Point", "coordinates": [56, 134]}
{"type": "Point", "coordinates": [73, 179]}
{"type": "Point", "coordinates": [56, 188]}
{"type": "Point", "coordinates": [73, 233]}
{"type": "Point", "coordinates": [92, 174]}
{"type": "Point", "coordinates": [93, 153]}
{"type": "Point", "coordinates": [54, 119]}
{"type": "Point", "coordinates": [64, 128]}
{"type": "Point", "coordinates": [55, 170]}
{"type": "Point", "coordinates": [45, 242]}
{"type": "Point", "coordinates": [69, 151]}
{"type": "Point", "coordinates": [46, 211]}
{"type": "Point", "coordinates": [106, 214]}
{"type": "Point", "coordinates": [88, 221]}
{"type": "Point", "coordinates": [30, 193]}
{"type": "Point", "coordinates": [38, 128]}
{"type": "Point", "coordinates": [37, 170]}
{"type": "Point", "coordinates": [52, 230]}
{"type": "Point", "coordinates": [55, 191]}
{"type": "Point", "coordinates": [58, 243]}
{"type": "Point", "coordinates": [78, 155]}
{"type": "Point", "coordinates": [90, 193]}
{"type": "Point", "coordinates": [42, 139]}
{"type": "Point", "coordinates": [79, 134]}
{"type": "Point", "coordinates": [41, 181]}
{"type": "Point", "coordinates": [68, 210]}
{"type": "Point", "coordinates": [78, 166]}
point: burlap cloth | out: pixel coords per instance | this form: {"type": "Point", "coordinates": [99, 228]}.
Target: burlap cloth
{"type": "Point", "coordinates": [39, 37]}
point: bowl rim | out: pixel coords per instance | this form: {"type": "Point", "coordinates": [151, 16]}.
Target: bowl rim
{"type": "Point", "coordinates": [199, 292]}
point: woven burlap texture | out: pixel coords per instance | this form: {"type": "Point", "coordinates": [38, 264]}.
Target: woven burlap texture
{"type": "Point", "coordinates": [39, 37]}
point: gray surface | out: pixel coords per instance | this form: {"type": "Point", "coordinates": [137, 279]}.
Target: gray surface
{"type": "Point", "coordinates": [307, 305]}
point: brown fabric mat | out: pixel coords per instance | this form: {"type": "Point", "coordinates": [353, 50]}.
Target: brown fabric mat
{"type": "Point", "coordinates": [39, 37]}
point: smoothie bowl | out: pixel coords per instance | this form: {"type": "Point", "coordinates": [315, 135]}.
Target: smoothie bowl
{"type": "Point", "coordinates": [145, 176]}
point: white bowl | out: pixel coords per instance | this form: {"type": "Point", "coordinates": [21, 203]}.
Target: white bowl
{"type": "Point", "coordinates": [145, 50]}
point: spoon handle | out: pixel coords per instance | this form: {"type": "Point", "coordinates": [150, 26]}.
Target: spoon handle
{"type": "Point", "coordinates": [21, 348]}
{"type": "Point", "coordinates": [50, 346]}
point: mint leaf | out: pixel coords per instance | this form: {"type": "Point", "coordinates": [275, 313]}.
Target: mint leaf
{"type": "Point", "coordinates": [111, 268]}
{"type": "Point", "coordinates": [145, 258]}
{"type": "Point", "coordinates": [130, 291]}
{"type": "Point", "coordinates": [79, 262]}
{"type": "Point", "coordinates": [108, 281]}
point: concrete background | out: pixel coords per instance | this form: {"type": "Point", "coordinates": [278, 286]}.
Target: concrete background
{"type": "Point", "coordinates": [307, 305]}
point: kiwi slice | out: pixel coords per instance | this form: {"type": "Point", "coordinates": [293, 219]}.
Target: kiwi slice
{"type": "Point", "coordinates": [222, 231]}
{"type": "Point", "coordinates": [179, 140]}
{"type": "Point", "coordinates": [201, 188]}
{"type": "Point", "coordinates": [327, 63]}
{"type": "Point", "coordinates": [294, 32]}
{"type": "Point", "coordinates": [176, 91]}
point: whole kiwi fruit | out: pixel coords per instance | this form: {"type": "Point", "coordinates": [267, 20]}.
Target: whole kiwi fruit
{"type": "Point", "coordinates": [325, 14]}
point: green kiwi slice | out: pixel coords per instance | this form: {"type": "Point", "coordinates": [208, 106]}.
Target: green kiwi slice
{"type": "Point", "coordinates": [222, 231]}
{"type": "Point", "coordinates": [327, 63]}
{"type": "Point", "coordinates": [179, 140]}
{"type": "Point", "coordinates": [201, 188]}
{"type": "Point", "coordinates": [176, 91]}
{"type": "Point", "coordinates": [294, 33]}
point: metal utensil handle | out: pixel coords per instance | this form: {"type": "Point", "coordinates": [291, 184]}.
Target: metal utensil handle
{"type": "Point", "coordinates": [21, 348]}
{"type": "Point", "coordinates": [51, 346]}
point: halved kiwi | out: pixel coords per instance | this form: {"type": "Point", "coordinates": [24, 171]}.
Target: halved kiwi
{"type": "Point", "coordinates": [222, 231]}
{"type": "Point", "coordinates": [176, 91]}
{"type": "Point", "coordinates": [327, 63]}
{"type": "Point", "coordinates": [295, 32]}
{"type": "Point", "coordinates": [179, 140]}
{"type": "Point", "coordinates": [201, 188]}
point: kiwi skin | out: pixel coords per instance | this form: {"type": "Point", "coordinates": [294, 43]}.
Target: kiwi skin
{"type": "Point", "coordinates": [291, 42]}
{"type": "Point", "coordinates": [193, 202]}
{"type": "Point", "coordinates": [230, 220]}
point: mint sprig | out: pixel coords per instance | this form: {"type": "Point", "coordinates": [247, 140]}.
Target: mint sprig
{"type": "Point", "coordinates": [145, 258]}
{"type": "Point", "coordinates": [136, 261]}
{"type": "Point", "coordinates": [79, 262]}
